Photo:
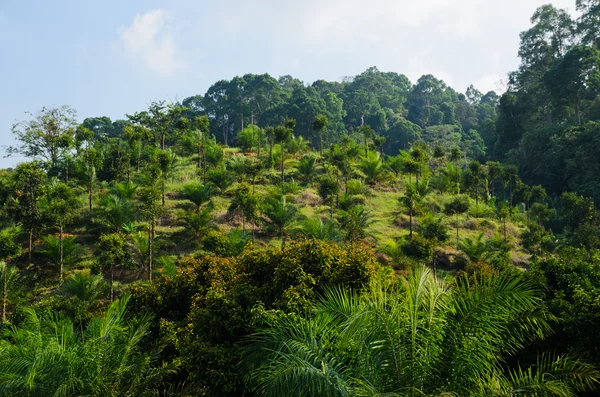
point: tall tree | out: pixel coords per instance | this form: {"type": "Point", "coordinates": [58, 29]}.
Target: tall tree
{"type": "Point", "coordinates": [47, 135]}
{"type": "Point", "coordinates": [24, 204]}
{"type": "Point", "coordinates": [318, 126]}
{"type": "Point", "coordinates": [62, 202]}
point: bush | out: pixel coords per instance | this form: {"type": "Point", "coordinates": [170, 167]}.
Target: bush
{"type": "Point", "coordinates": [433, 228]}
{"type": "Point", "coordinates": [418, 247]}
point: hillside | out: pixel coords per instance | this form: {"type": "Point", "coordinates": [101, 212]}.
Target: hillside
{"type": "Point", "coordinates": [367, 237]}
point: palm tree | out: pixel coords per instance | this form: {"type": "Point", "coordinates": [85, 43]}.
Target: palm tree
{"type": "Point", "coordinates": [297, 146]}
{"type": "Point", "coordinates": [422, 337]}
{"type": "Point", "coordinates": [51, 356]}
{"type": "Point", "coordinates": [61, 252]}
{"type": "Point", "coordinates": [371, 166]}
{"type": "Point", "coordinates": [198, 193]}
{"type": "Point", "coordinates": [315, 227]}
{"type": "Point", "coordinates": [279, 216]}
{"type": "Point", "coordinates": [307, 168]}
{"type": "Point", "coordinates": [117, 211]}
{"type": "Point", "coordinates": [476, 249]}
{"type": "Point", "coordinates": [198, 223]}
{"type": "Point", "coordinates": [88, 288]}
{"type": "Point", "coordinates": [355, 222]}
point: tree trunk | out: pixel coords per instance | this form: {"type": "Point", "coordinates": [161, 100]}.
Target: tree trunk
{"type": "Point", "coordinates": [150, 241]}
{"type": "Point", "coordinates": [457, 226]}
{"type": "Point", "coordinates": [4, 293]}
{"type": "Point", "coordinates": [282, 169]}
{"type": "Point", "coordinates": [199, 164]}
{"type": "Point", "coordinates": [60, 240]}
{"type": "Point", "coordinates": [410, 225]}
{"type": "Point", "coordinates": [163, 189]}
{"type": "Point", "coordinates": [112, 282]}
{"type": "Point", "coordinates": [162, 141]}
{"type": "Point", "coordinates": [321, 143]}
{"type": "Point", "coordinates": [90, 190]}
{"type": "Point", "coordinates": [139, 157]}
{"type": "Point", "coordinates": [67, 169]}
{"type": "Point", "coordinates": [258, 146]}
{"type": "Point", "coordinates": [30, 243]}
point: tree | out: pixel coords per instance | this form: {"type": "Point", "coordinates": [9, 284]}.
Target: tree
{"type": "Point", "coordinates": [8, 249]}
{"type": "Point", "coordinates": [9, 276]}
{"type": "Point", "coordinates": [112, 253]}
{"type": "Point", "coordinates": [24, 203]}
{"type": "Point", "coordinates": [329, 188]}
{"type": "Point", "coordinates": [48, 135]}
{"type": "Point", "coordinates": [61, 204]}
{"type": "Point", "coordinates": [150, 208]}
{"type": "Point", "coordinates": [307, 168]}
{"type": "Point", "coordinates": [283, 134]}
{"type": "Point", "coordinates": [117, 210]}
{"type": "Point", "coordinates": [371, 166]}
{"type": "Point", "coordinates": [198, 193]}
{"type": "Point", "coordinates": [51, 354]}
{"type": "Point", "coordinates": [458, 205]}
{"type": "Point", "coordinates": [425, 338]}
{"type": "Point", "coordinates": [168, 162]}
{"type": "Point", "coordinates": [367, 133]}
{"type": "Point", "coordinates": [318, 126]}
{"type": "Point", "coordinates": [279, 216]}
{"type": "Point", "coordinates": [245, 203]}
{"type": "Point", "coordinates": [474, 178]}
{"type": "Point", "coordinates": [355, 222]}
{"type": "Point", "coordinates": [411, 202]}
{"type": "Point", "coordinates": [90, 157]}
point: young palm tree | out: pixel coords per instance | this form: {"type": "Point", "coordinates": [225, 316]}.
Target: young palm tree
{"type": "Point", "coordinates": [355, 222]}
{"type": "Point", "coordinates": [371, 166]}
{"type": "Point", "coordinates": [198, 193]}
{"type": "Point", "coordinates": [476, 249]}
{"type": "Point", "coordinates": [423, 337]}
{"type": "Point", "coordinates": [51, 356]}
{"type": "Point", "coordinates": [314, 227]}
{"type": "Point", "coordinates": [307, 168]}
{"type": "Point", "coordinates": [279, 216]}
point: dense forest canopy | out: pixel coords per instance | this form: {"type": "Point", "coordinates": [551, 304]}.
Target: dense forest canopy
{"type": "Point", "coordinates": [364, 237]}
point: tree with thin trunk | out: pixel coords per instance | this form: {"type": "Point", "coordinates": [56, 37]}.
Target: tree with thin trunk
{"type": "Point", "coordinates": [168, 162]}
{"type": "Point", "coordinates": [283, 134]}
{"type": "Point", "coordinates": [367, 132]}
{"type": "Point", "coordinates": [24, 203]}
{"type": "Point", "coordinates": [150, 209]}
{"type": "Point", "coordinates": [8, 249]}
{"type": "Point", "coordinates": [411, 203]}
{"type": "Point", "coordinates": [62, 202]}
{"type": "Point", "coordinates": [112, 254]}
{"type": "Point", "coordinates": [318, 126]}
{"type": "Point", "coordinates": [458, 205]}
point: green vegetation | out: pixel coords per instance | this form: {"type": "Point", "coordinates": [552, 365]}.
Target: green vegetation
{"type": "Point", "coordinates": [366, 237]}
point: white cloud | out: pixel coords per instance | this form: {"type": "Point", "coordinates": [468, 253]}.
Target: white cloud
{"type": "Point", "coordinates": [149, 40]}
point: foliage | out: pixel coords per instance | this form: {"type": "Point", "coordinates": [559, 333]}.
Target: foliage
{"type": "Point", "coordinates": [50, 355]}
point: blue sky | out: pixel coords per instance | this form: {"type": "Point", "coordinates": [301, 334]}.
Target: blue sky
{"type": "Point", "coordinates": [108, 58]}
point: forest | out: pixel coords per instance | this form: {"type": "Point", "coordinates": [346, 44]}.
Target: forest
{"type": "Point", "coordinates": [365, 237]}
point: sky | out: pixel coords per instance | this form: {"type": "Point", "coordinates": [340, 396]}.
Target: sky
{"type": "Point", "coordinates": [109, 58]}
